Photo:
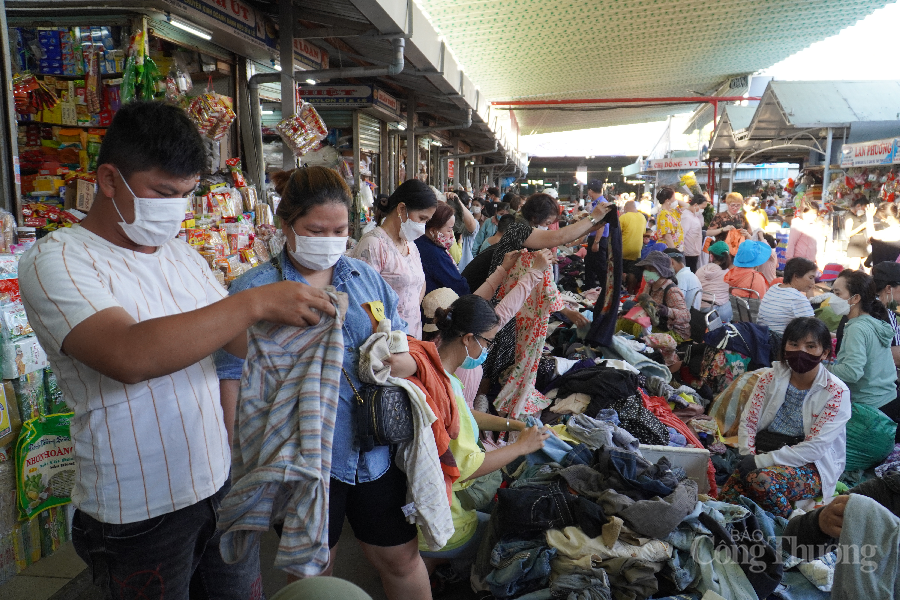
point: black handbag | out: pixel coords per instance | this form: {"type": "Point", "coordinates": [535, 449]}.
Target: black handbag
{"type": "Point", "coordinates": [383, 415]}
{"type": "Point", "coordinates": [769, 441]}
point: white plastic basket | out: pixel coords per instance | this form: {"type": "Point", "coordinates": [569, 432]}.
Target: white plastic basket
{"type": "Point", "coordinates": [692, 460]}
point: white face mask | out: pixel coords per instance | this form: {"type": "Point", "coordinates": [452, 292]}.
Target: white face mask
{"type": "Point", "coordinates": [839, 306]}
{"type": "Point", "coordinates": [318, 253]}
{"type": "Point", "coordinates": [411, 230]}
{"type": "Point", "coordinates": [156, 220]}
{"type": "Point", "coordinates": [543, 227]}
{"type": "Point", "coordinates": [476, 210]}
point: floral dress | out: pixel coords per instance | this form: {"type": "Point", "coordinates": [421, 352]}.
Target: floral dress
{"type": "Point", "coordinates": [669, 221]}
{"type": "Point", "coordinates": [403, 274]}
{"type": "Point", "coordinates": [519, 396]}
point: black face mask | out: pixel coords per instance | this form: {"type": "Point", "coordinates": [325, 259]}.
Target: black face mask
{"type": "Point", "coordinates": [800, 361]}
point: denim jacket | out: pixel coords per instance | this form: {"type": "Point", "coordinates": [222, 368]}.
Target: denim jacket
{"type": "Point", "coordinates": [362, 284]}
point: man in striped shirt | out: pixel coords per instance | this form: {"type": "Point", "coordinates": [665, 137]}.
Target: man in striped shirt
{"type": "Point", "coordinates": [129, 317]}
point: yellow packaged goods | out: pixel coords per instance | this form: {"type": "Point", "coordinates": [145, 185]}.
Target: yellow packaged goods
{"type": "Point", "coordinates": [249, 256]}
{"type": "Point", "coordinates": [10, 423]}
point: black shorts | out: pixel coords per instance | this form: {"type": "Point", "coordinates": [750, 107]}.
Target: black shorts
{"type": "Point", "coordinates": [374, 510]}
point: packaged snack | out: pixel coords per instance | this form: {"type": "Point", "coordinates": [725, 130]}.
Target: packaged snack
{"type": "Point", "coordinates": [249, 256]}
{"type": "Point", "coordinates": [23, 356]}
{"type": "Point", "coordinates": [260, 249]}
{"type": "Point", "coordinates": [213, 115]}
{"type": "Point", "coordinates": [29, 394]}
{"type": "Point", "coordinates": [14, 321]}
{"type": "Point", "coordinates": [250, 198]}
{"type": "Point", "coordinates": [53, 395]}
{"type": "Point", "coordinates": [10, 420]}
{"type": "Point", "coordinates": [45, 465]}
{"type": "Point", "coordinates": [303, 131]}
{"type": "Point", "coordinates": [234, 165]}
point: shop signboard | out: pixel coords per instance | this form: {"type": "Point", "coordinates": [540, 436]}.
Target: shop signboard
{"type": "Point", "coordinates": [865, 154]}
{"type": "Point", "coordinates": [387, 102]}
{"type": "Point", "coordinates": [666, 164]}
{"type": "Point", "coordinates": [343, 96]}
{"type": "Point", "coordinates": [451, 170]}
{"type": "Point", "coordinates": [309, 56]}
{"type": "Point", "coordinates": [239, 17]}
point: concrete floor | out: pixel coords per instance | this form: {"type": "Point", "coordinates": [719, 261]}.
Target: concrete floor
{"type": "Point", "coordinates": [64, 576]}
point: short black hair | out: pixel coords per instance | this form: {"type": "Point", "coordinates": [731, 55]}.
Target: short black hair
{"type": "Point", "coordinates": [698, 199]}
{"type": "Point", "coordinates": [149, 135]}
{"type": "Point", "coordinates": [492, 191]}
{"type": "Point", "coordinates": [596, 186]}
{"type": "Point", "coordinates": [540, 207]}
{"type": "Point", "coordinates": [797, 267]}
{"type": "Point", "coordinates": [504, 223]}
{"type": "Point", "coordinates": [801, 327]}
{"type": "Point", "coordinates": [488, 209]}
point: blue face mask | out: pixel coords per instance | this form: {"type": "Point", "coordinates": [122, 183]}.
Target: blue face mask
{"type": "Point", "coordinates": [471, 363]}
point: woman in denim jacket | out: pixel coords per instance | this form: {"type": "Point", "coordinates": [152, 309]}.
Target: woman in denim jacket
{"type": "Point", "coordinates": [366, 488]}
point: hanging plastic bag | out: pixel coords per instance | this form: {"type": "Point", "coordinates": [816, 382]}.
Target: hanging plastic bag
{"type": "Point", "coordinates": [45, 465]}
{"type": "Point", "coordinates": [303, 131]}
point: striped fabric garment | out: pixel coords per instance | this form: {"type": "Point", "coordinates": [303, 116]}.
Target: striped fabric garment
{"type": "Point", "coordinates": [283, 440]}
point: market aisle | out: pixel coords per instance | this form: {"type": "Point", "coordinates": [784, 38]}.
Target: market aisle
{"type": "Point", "coordinates": [63, 576]}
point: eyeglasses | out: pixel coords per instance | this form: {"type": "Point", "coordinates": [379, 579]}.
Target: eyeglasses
{"type": "Point", "coordinates": [489, 343]}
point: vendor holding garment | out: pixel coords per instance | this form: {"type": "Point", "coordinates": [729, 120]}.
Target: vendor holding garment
{"type": "Point", "coordinates": [466, 332]}
{"type": "Point", "coordinates": [792, 431]}
{"type": "Point", "coordinates": [367, 488]}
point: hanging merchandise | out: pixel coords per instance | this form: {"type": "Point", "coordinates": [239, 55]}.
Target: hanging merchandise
{"type": "Point", "coordinates": [31, 95]}
{"type": "Point", "coordinates": [213, 115]}
{"type": "Point", "coordinates": [139, 82]}
{"type": "Point", "coordinates": [45, 465]}
{"type": "Point", "coordinates": [303, 131]}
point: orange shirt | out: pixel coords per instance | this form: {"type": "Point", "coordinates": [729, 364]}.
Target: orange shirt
{"type": "Point", "coordinates": [745, 277]}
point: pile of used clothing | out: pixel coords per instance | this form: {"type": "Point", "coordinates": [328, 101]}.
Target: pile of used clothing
{"type": "Point", "coordinates": [600, 522]}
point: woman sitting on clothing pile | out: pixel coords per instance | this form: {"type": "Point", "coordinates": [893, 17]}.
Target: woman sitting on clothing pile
{"type": "Point", "coordinates": [663, 297]}
{"type": "Point", "coordinates": [792, 430]}
{"type": "Point", "coordinates": [788, 300]}
{"type": "Point", "coordinates": [745, 274]}
{"type": "Point", "coordinates": [712, 280]}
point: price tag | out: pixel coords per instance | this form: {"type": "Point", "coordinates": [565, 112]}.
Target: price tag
{"type": "Point", "coordinates": [376, 308]}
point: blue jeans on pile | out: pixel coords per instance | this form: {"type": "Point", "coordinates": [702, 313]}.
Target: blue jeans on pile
{"type": "Point", "coordinates": [519, 567]}
{"type": "Point", "coordinates": [554, 449]}
{"type": "Point", "coordinates": [636, 471]}
{"type": "Point", "coordinates": [535, 508]}
{"type": "Point", "coordinates": [175, 555]}
{"type": "Point", "coordinates": [579, 455]}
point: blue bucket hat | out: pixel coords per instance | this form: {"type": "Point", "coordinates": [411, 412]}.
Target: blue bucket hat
{"type": "Point", "coordinates": [752, 253]}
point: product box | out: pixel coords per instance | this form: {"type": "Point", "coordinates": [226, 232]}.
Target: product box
{"type": "Point", "coordinates": [23, 356]}
{"type": "Point", "coordinates": [10, 422]}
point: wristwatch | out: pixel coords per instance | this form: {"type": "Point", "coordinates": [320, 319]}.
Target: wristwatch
{"type": "Point", "coordinates": [592, 220]}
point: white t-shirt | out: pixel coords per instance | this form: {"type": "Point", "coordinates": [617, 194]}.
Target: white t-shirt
{"type": "Point", "coordinates": [781, 305]}
{"type": "Point", "coordinates": [145, 449]}
{"type": "Point", "coordinates": [690, 285]}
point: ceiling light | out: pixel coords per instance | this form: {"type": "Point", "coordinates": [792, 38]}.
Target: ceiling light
{"type": "Point", "coordinates": [191, 28]}
{"type": "Point", "coordinates": [277, 67]}
{"type": "Point", "coordinates": [311, 81]}
{"type": "Point", "coordinates": [267, 112]}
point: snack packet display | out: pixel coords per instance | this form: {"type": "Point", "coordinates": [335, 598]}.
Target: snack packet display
{"type": "Point", "coordinates": [14, 321]}
{"type": "Point", "coordinates": [31, 95]}
{"type": "Point", "coordinates": [303, 131]}
{"type": "Point", "coordinates": [212, 114]}
{"type": "Point", "coordinates": [45, 465]}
